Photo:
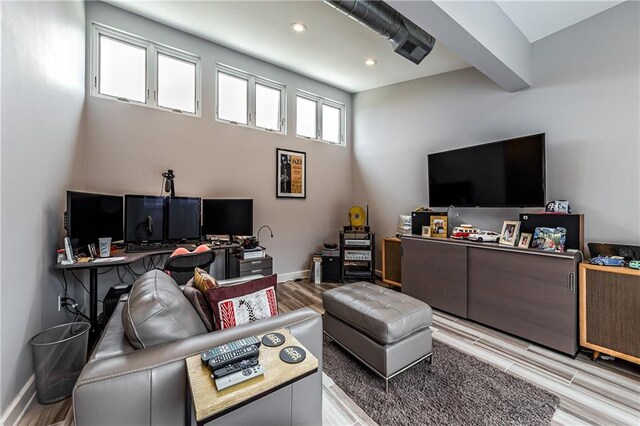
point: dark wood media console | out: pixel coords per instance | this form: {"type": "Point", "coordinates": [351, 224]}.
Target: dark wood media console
{"type": "Point", "coordinates": [529, 293]}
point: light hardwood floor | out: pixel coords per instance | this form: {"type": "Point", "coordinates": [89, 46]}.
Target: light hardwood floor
{"type": "Point", "coordinates": [598, 393]}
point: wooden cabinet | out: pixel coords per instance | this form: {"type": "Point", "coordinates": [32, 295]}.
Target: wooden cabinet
{"type": "Point", "coordinates": [610, 311]}
{"type": "Point", "coordinates": [531, 295]}
{"type": "Point", "coordinates": [525, 292]}
{"type": "Point", "coordinates": [436, 273]}
{"type": "Point", "coordinates": [391, 265]}
{"type": "Point", "coordinates": [244, 267]}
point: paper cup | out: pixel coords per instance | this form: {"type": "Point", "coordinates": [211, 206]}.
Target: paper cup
{"type": "Point", "coordinates": [105, 247]}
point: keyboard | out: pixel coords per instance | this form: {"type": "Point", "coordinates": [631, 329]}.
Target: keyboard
{"type": "Point", "coordinates": [141, 248]}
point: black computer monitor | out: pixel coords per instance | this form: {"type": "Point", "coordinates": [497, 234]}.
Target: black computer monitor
{"type": "Point", "coordinates": [143, 218]}
{"type": "Point", "coordinates": [183, 218]}
{"type": "Point", "coordinates": [92, 216]}
{"type": "Point", "coordinates": [227, 217]}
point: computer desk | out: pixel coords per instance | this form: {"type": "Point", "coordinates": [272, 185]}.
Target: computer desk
{"type": "Point", "coordinates": [130, 258]}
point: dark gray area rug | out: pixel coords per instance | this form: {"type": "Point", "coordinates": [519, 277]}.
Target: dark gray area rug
{"type": "Point", "coordinates": [458, 390]}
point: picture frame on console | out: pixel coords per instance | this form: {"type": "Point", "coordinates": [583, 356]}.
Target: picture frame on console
{"type": "Point", "coordinates": [438, 227]}
{"type": "Point", "coordinates": [426, 231]}
{"type": "Point", "coordinates": [291, 174]}
{"type": "Point", "coordinates": [509, 234]}
{"type": "Point", "coordinates": [525, 240]}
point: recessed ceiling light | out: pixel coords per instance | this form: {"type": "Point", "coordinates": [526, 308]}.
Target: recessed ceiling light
{"type": "Point", "coordinates": [298, 27]}
{"type": "Point", "coordinates": [370, 62]}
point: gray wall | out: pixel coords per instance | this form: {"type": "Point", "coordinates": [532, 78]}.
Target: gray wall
{"type": "Point", "coordinates": [42, 99]}
{"type": "Point", "coordinates": [584, 97]}
{"type": "Point", "coordinates": [129, 146]}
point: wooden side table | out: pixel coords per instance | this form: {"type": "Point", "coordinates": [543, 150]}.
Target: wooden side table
{"type": "Point", "coordinates": [209, 403]}
{"type": "Point", "coordinates": [391, 261]}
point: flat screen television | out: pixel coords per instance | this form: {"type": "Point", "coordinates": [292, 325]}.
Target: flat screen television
{"type": "Point", "coordinates": [183, 218]}
{"type": "Point", "coordinates": [508, 173]}
{"type": "Point", "coordinates": [227, 217]}
{"type": "Point", "coordinates": [92, 216]}
{"type": "Point", "coordinates": [144, 218]}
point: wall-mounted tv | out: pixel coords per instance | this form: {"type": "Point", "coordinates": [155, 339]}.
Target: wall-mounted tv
{"type": "Point", "coordinates": [508, 173]}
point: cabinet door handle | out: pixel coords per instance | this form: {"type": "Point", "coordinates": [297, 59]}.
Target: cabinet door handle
{"type": "Point", "coordinates": [571, 282]}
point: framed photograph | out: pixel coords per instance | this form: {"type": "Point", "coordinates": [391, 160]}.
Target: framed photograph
{"type": "Point", "coordinates": [438, 226]}
{"type": "Point", "coordinates": [426, 231]}
{"type": "Point", "coordinates": [525, 240]}
{"type": "Point", "coordinates": [291, 178]}
{"type": "Point", "coordinates": [509, 235]}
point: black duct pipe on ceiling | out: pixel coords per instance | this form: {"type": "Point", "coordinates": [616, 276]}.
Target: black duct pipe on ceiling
{"type": "Point", "coordinates": [407, 39]}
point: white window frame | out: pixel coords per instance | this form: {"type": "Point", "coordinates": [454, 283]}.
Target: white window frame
{"type": "Point", "coordinates": [252, 80]}
{"type": "Point", "coordinates": [152, 49]}
{"type": "Point", "coordinates": [319, 100]}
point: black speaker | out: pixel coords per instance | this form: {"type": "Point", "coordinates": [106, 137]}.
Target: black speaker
{"type": "Point", "coordinates": [331, 269]}
{"type": "Point", "coordinates": [573, 223]}
{"type": "Point", "coordinates": [420, 219]}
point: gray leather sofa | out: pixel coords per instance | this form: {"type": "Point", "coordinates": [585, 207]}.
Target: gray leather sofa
{"type": "Point", "coordinates": [123, 386]}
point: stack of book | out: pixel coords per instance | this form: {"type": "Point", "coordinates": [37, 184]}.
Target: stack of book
{"type": "Point", "coordinates": [254, 253]}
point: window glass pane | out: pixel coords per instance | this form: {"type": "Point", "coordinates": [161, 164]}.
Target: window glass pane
{"type": "Point", "coordinates": [330, 124]}
{"type": "Point", "coordinates": [267, 107]}
{"type": "Point", "coordinates": [122, 69]}
{"type": "Point", "coordinates": [306, 117]}
{"type": "Point", "coordinates": [232, 98]}
{"type": "Point", "coordinates": [176, 83]}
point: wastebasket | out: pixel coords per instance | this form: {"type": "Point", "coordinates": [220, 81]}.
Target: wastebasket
{"type": "Point", "coordinates": [59, 353]}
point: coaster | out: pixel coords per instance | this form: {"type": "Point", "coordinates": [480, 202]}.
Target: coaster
{"type": "Point", "coordinates": [293, 354]}
{"type": "Point", "coordinates": [272, 340]}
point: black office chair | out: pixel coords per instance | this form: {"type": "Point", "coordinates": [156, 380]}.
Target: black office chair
{"type": "Point", "coordinates": [181, 266]}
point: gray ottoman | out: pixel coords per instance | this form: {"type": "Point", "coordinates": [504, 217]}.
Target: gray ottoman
{"type": "Point", "coordinates": [386, 330]}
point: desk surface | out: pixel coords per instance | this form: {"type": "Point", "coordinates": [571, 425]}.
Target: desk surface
{"type": "Point", "coordinates": [134, 257]}
{"type": "Point", "coordinates": [210, 404]}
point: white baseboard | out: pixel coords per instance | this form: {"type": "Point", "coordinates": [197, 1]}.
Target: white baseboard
{"type": "Point", "coordinates": [290, 276]}
{"type": "Point", "coordinates": [15, 411]}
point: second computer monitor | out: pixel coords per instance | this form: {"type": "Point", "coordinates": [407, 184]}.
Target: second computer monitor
{"type": "Point", "coordinates": [143, 218]}
{"type": "Point", "coordinates": [227, 217]}
{"type": "Point", "coordinates": [183, 218]}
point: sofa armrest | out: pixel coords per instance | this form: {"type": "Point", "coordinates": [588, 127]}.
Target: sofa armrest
{"type": "Point", "coordinates": [149, 385]}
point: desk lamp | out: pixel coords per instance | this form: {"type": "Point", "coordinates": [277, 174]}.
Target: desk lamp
{"type": "Point", "coordinates": [263, 226]}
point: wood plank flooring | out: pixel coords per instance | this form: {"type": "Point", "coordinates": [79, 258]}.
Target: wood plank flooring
{"type": "Point", "coordinates": [593, 393]}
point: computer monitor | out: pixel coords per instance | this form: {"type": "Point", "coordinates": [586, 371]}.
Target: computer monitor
{"type": "Point", "coordinates": [143, 218]}
{"type": "Point", "coordinates": [183, 218]}
{"type": "Point", "coordinates": [227, 217]}
{"type": "Point", "coordinates": [92, 216]}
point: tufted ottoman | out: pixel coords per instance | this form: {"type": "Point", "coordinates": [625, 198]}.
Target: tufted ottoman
{"type": "Point", "coordinates": [386, 330]}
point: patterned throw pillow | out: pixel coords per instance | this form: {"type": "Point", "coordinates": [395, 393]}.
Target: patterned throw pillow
{"type": "Point", "coordinates": [203, 281]}
{"type": "Point", "coordinates": [243, 303]}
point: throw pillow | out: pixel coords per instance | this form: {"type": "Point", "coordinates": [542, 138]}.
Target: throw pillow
{"type": "Point", "coordinates": [157, 312]}
{"type": "Point", "coordinates": [199, 303]}
{"type": "Point", "coordinates": [243, 303]}
{"type": "Point", "coordinates": [203, 281]}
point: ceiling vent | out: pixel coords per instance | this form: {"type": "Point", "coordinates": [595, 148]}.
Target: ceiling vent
{"type": "Point", "coordinates": [407, 39]}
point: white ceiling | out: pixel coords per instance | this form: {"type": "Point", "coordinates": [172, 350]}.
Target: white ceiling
{"type": "Point", "coordinates": [334, 47]}
{"type": "Point", "coordinates": [332, 50]}
{"type": "Point", "coordinates": [541, 18]}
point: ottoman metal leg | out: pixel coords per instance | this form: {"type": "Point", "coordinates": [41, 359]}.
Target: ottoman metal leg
{"type": "Point", "coordinates": [427, 357]}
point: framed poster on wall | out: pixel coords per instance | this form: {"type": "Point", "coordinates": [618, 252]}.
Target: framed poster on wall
{"type": "Point", "coordinates": [291, 179]}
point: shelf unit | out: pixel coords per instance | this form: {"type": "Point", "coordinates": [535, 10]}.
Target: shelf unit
{"type": "Point", "coordinates": [357, 256]}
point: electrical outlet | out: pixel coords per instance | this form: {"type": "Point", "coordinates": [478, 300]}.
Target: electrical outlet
{"type": "Point", "coordinates": [60, 302]}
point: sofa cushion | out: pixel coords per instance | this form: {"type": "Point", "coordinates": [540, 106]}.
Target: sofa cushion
{"type": "Point", "coordinates": [243, 303]}
{"type": "Point", "coordinates": [199, 303]}
{"type": "Point", "coordinates": [385, 315]}
{"type": "Point", "coordinates": [157, 312]}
